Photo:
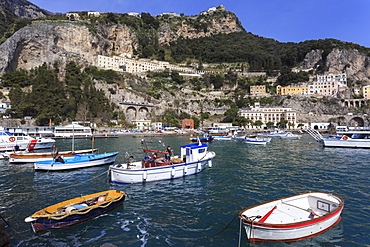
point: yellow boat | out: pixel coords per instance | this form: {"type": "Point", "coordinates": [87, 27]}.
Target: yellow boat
{"type": "Point", "coordinates": [76, 210]}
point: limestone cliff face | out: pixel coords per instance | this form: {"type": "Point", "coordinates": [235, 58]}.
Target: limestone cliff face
{"type": "Point", "coordinates": [47, 42]}
{"type": "Point", "coordinates": [354, 63]}
{"type": "Point", "coordinates": [22, 8]}
{"type": "Point", "coordinates": [228, 23]}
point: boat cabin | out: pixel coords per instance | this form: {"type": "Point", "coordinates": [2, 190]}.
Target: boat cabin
{"type": "Point", "coordinates": [193, 152]}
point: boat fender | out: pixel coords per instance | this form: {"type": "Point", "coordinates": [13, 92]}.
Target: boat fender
{"type": "Point", "coordinates": [173, 172]}
{"type": "Point", "coordinates": [209, 163]}
{"type": "Point", "coordinates": [185, 170]}
{"type": "Point", "coordinates": [345, 137]}
{"type": "Point", "coordinates": [145, 175]}
{"type": "Point", "coordinates": [199, 166]}
{"type": "Point", "coordinates": [69, 209]}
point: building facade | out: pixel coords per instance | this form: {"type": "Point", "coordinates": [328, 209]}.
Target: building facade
{"type": "Point", "coordinates": [289, 90]}
{"type": "Point", "coordinates": [328, 84]}
{"type": "Point", "coordinates": [131, 65]}
{"type": "Point", "coordinates": [258, 90]}
{"type": "Point", "coordinates": [142, 124]}
{"type": "Point", "coordinates": [187, 124]}
{"type": "Point", "coordinates": [272, 114]}
{"type": "Point", "coordinates": [365, 91]}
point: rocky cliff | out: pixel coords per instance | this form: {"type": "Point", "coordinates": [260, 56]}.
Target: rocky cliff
{"type": "Point", "coordinates": [22, 8]}
{"type": "Point", "coordinates": [60, 41]}
{"type": "Point", "coordinates": [49, 42]}
{"type": "Point", "coordinates": [208, 23]}
{"type": "Point", "coordinates": [354, 63]}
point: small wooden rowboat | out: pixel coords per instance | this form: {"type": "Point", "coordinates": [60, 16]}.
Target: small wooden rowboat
{"type": "Point", "coordinates": [292, 218]}
{"type": "Point", "coordinates": [75, 210]}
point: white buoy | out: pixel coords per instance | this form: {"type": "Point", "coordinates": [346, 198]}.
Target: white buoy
{"type": "Point", "coordinates": [145, 175]}
{"type": "Point", "coordinates": [173, 172]}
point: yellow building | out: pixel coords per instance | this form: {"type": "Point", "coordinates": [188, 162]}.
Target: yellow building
{"type": "Point", "coordinates": [258, 90]}
{"type": "Point", "coordinates": [291, 90]}
{"type": "Point", "coordinates": [366, 92]}
{"type": "Point", "coordinates": [142, 124]}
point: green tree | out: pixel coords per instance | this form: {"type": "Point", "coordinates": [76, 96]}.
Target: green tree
{"type": "Point", "coordinates": [258, 123]}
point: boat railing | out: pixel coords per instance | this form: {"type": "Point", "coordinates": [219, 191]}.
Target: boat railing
{"type": "Point", "coordinates": [314, 134]}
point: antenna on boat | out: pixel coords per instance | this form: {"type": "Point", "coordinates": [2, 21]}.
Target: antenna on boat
{"type": "Point", "coordinates": [143, 144]}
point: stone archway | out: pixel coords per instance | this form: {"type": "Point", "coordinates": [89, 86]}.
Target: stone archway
{"type": "Point", "coordinates": [131, 113]}
{"type": "Point", "coordinates": [143, 113]}
{"type": "Point", "coordinates": [356, 122]}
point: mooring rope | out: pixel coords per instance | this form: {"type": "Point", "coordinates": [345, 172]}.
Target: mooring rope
{"type": "Point", "coordinates": [10, 226]}
{"type": "Point", "coordinates": [89, 209]}
{"type": "Point", "coordinates": [223, 228]}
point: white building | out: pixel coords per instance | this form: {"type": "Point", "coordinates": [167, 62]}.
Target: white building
{"type": "Point", "coordinates": [142, 124]}
{"type": "Point", "coordinates": [127, 64]}
{"type": "Point", "coordinates": [272, 114]}
{"type": "Point", "coordinates": [71, 130]}
{"type": "Point", "coordinates": [328, 84]}
{"type": "Point", "coordinates": [157, 126]}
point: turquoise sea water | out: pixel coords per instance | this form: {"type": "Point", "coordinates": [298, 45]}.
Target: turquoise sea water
{"type": "Point", "coordinates": [195, 210]}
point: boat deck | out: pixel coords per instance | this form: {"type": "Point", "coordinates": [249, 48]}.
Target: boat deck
{"type": "Point", "coordinates": [286, 213]}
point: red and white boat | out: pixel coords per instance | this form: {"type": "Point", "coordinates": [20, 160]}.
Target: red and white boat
{"type": "Point", "coordinates": [292, 218]}
{"type": "Point", "coordinates": [11, 142]}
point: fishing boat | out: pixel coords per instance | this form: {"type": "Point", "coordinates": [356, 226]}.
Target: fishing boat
{"type": "Point", "coordinates": [31, 157]}
{"type": "Point", "coordinates": [205, 138]}
{"type": "Point", "coordinates": [193, 159]}
{"type": "Point", "coordinates": [275, 133]}
{"type": "Point", "coordinates": [257, 140]}
{"type": "Point", "coordinates": [78, 161]}
{"type": "Point", "coordinates": [11, 142]}
{"type": "Point", "coordinates": [292, 218]}
{"type": "Point", "coordinates": [75, 210]}
{"type": "Point", "coordinates": [223, 138]}
{"type": "Point", "coordinates": [291, 136]}
{"type": "Point", "coordinates": [341, 141]}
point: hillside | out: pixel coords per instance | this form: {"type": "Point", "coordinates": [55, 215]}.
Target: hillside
{"type": "Point", "coordinates": [212, 39]}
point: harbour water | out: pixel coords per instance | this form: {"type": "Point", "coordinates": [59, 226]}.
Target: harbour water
{"type": "Point", "coordinates": [197, 210]}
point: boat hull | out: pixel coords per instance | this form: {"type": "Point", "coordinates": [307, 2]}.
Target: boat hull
{"type": "Point", "coordinates": [10, 146]}
{"type": "Point", "coordinates": [303, 224]}
{"type": "Point", "coordinates": [119, 174]}
{"type": "Point", "coordinates": [350, 143]}
{"type": "Point", "coordinates": [74, 163]}
{"type": "Point", "coordinates": [75, 217]}
{"type": "Point", "coordinates": [257, 234]}
{"type": "Point", "coordinates": [34, 157]}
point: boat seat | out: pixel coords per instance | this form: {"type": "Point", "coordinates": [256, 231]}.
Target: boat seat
{"type": "Point", "coordinates": [288, 213]}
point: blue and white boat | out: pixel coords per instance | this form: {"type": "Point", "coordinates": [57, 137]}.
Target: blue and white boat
{"type": "Point", "coordinates": [193, 159]}
{"type": "Point", "coordinates": [78, 161]}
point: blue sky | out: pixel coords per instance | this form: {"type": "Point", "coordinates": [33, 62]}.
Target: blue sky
{"type": "Point", "coordinates": [282, 20]}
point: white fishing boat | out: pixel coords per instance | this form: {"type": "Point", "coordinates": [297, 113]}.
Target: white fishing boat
{"type": "Point", "coordinates": [193, 159]}
{"type": "Point", "coordinates": [12, 142]}
{"type": "Point", "coordinates": [257, 140]}
{"type": "Point", "coordinates": [345, 141]}
{"type": "Point", "coordinates": [291, 136]}
{"type": "Point", "coordinates": [292, 218]}
{"type": "Point", "coordinates": [223, 138]}
{"type": "Point", "coordinates": [275, 133]}
{"type": "Point", "coordinates": [78, 161]}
